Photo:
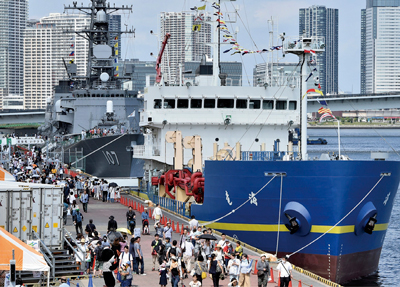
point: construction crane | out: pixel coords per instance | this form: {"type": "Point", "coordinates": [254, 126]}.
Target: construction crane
{"type": "Point", "coordinates": [159, 58]}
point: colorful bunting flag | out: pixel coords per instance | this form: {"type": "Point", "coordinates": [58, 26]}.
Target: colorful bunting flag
{"type": "Point", "coordinates": [313, 91]}
{"type": "Point", "coordinates": [326, 115]}
{"type": "Point", "coordinates": [71, 61]}
{"type": "Point", "coordinates": [196, 27]}
{"type": "Point", "coordinates": [116, 52]}
{"type": "Point", "coordinates": [323, 102]}
{"type": "Point", "coordinates": [116, 45]}
{"type": "Point", "coordinates": [116, 38]}
{"type": "Point", "coordinates": [323, 110]}
{"type": "Point", "coordinates": [72, 53]}
{"type": "Point", "coordinates": [202, 8]}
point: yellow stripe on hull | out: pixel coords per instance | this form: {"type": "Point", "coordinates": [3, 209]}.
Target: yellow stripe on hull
{"type": "Point", "coordinates": [274, 227]}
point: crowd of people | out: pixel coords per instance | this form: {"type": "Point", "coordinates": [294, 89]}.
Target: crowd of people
{"type": "Point", "coordinates": [190, 256]}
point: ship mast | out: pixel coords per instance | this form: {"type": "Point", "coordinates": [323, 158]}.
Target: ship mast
{"type": "Point", "coordinates": [304, 48]}
{"type": "Point", "coordinates": [101, 54]}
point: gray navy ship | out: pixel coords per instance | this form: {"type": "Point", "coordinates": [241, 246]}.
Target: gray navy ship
{"type": "Point", "coordinates": [97, 101]}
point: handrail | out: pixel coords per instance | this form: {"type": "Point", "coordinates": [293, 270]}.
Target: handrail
{"type": "Point", "coordinates": [77, 245]}
{"type": "Point", "coordinates": [52, 264]}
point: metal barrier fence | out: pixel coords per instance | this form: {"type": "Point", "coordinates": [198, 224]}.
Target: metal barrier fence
{"type": "Point", "coordinates": [264, 155]}
{"type": "Point", "coordinates": [178, 207]}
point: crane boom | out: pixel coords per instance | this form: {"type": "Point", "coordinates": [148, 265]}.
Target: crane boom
{"type": "Point", "coordinates": [159, 58]}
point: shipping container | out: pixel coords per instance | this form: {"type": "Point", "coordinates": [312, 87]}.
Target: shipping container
{"type": "Point", "coordinates": [16, 210]}
{"type": "Point", "coordinates": [46, 211]}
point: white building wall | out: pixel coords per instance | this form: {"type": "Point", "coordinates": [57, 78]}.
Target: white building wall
{"type": "Point", "coordinates": [46, 45]}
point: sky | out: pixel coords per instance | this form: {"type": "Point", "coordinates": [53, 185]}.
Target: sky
{"type": "Point", "coordinates": [252, 24]}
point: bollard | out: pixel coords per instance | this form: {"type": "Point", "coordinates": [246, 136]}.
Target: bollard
{"type": "Point", "coordinates": [272, 276]}
{"type": "Point", "coordinates": [255, 268]}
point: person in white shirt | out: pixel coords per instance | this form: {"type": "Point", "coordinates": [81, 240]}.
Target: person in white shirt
{"type": "Point", "coordinates": [125, 257]}
{"type": "Point", "coordinates": [285, 272]}
{"type": "Point", "coordinates": [157, 213]}
{"type": "Point", "coordinates": [187, 255]}
{"type": "Point", "coordinates": [195, 282]}
{"type": "Point", "coordinates": [222, 242]}
{"type": "Point", "coordinates": [193, 223]}
{"type": "Point", "coordinates": [233, 267]}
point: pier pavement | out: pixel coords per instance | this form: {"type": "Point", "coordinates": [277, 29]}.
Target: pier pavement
{"type": "Point", "coordinates": [100, 212]}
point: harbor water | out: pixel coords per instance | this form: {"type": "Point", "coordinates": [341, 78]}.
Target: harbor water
{"type": "Point", "coordinates": [358, 144]}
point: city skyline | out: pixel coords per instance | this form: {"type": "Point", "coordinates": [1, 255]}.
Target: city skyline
{"type": "Point", "coordinates": [256, 14]}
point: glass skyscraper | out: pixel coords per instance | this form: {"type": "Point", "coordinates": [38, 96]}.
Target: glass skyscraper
{"type": "Point", "coordinates": [323, 22]}
{"type": "Point", "coordinates": [380, 46]}
{"type": "Point", "coordinates": [13, 20]}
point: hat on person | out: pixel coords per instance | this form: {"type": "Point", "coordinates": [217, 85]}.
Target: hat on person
{"type": "Point", "coordinates": [173, 258]}
{"type": "Point", "coordinates": [83, 240]}
{"type": "Point", "coordinates": [263, 255]}
{"type": "Point", "coordinates": [145, 208]}
{"type": "Point", "coordinates": [128, 263]}
{"type": "Point", "coordinates": [226, 240]}
{"type": "Point", "coordinates": [219, 245]}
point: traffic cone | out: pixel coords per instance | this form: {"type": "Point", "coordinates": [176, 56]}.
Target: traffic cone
{"type": "Point", "coordinates": [255, 268]}
{"type": "Point", "coordinates": [182, 230]}
{"type": "Point", "coordinates": [272, 276]}
{"type": "Point", "coordinates": [279, 281]}
{"type": "Point", "coordinates": [134, 206]}
{"type": "Point", "coordinates": [173, 225]}
{"type": "Point", "coordinates": [177, 228]}
{"type": "Point", "coordinates": [150, 213]}
{"type": "Point", "coordinates": [300, 285]}
{"type": "Point", "coordinates": [165, 222]}
{"type": "Point", "coordinates": [290, 283]}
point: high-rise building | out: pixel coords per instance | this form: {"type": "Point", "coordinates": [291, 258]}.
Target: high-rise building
{"type": "Point", "coordinates": [48, 46]}
{"type": "Point", "coordinates": [140, 72]}
{"type": "Point", "coordinates": [13, 18]}
{"type": "Point", "coordinates": [323, 22]}
{"type": "Point", "coordinates": [233, 70]}
{"type": "Point", "coordinates": [380, 42]}
{"type": "Point", "coordinates": [114, 22]}
{"type": "Point", "coordinates": [185, 44]}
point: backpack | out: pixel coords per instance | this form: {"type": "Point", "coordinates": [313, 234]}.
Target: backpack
{"type": "Point", "coordinates": [78, 217]}
{"type": "Point", "coordinates": [100, 253]}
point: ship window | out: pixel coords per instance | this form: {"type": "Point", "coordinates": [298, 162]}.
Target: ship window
{"type": "Point", "coordinates": [157, 104]}
{"type": "Point", "coordinates": [169, 103]}
{"type": "Point", "coordinates": [281, 105]}
{"type": "Point", "coordinates": [292, 105]}
{"type": "Point", "coordinates": [225, 103]}
{"type": "Point", "coordinates": [183, 103]}
{"type": "Point", "coordinates": [209, 103]}
{"type": "Point", "coordinates": [195, 103]}
{"type": "Point", "coordinates": [241, 104]}
{"type": "Point", "coordinates": [254, 104]}
{"type": "Point", "coordinates": [268, 104]}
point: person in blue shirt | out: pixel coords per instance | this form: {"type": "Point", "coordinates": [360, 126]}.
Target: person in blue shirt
{"type": "Point", "coordinates": [85, 201]}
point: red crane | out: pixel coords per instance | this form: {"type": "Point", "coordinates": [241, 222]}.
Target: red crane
{"type": "Point", "coordinates": [160, 54]}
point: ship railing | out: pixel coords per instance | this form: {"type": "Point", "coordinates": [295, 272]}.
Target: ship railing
{"type": "Point", "coordinates": [267, 155]}
{"type": "Point", "coordinates": [176, 206]}
{"type": "Point", "coordinates": [142, 150]}
{"type": "Point", "coordinates": [47, 254]}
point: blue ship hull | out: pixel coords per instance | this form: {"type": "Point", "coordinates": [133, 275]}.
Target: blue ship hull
{"type": "Point", "coordinates": [319, 194]}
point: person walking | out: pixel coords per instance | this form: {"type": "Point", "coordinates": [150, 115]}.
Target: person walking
{"type": "Point", "coordinates": [77, 218]}
{"type": "Point", "coordinates": [187, 256]}
{"type": "Point", "coordinates": [125, 257]}
{"type": "Point", "coordinates": [85, 200]}
{"type": "Point", "coordinates": [90, 228]}
{"type": "Point", "coordinates": [112, 224]}
{"type": "Point", "coordinates": [233, 268]}
{"type": "Point", "coordinates": [263, 271]}
{"type": "Point", "coordinates": [167, 232]}
{"type": "Point", "coordinates": [175, 271]}
{"type": "Point", "coordinates": [155, 248]}
{"type": "Point", "coordinates": [138, 256]}
{"type": "Point", "coordinates": [215, 270]}
{"type": "Point", "coordinates": [284, 272]}
{"type": "Point", "coordinates": [157, 213]}
{"type": "Point", "coordinates": [245, 270]}
{"type": "Point", "coordinates": [130, 217]}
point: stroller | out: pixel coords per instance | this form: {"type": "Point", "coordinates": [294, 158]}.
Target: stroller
{"type": "Point", "coordinates": [145, 224]}
{"type": "Point", "coordinates": [132, 225]}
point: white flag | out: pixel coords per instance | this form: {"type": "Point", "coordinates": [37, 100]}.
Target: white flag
{"type": "Point", "coordinates": [132, 115]}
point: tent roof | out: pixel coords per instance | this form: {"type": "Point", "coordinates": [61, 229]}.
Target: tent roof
{"type": "Point", "coordinates": [27, 258]}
